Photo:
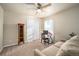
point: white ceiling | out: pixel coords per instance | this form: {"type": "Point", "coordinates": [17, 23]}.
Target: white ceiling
{"type": "Point", "coordinates": [30, 9]}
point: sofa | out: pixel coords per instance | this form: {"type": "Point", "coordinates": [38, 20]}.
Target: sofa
{"type": "Point", "coordinates": [48, 51]}
{"type": "Point", "coordinates": [68, 48]}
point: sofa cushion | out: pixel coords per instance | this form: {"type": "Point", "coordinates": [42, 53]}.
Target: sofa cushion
{"type": "Point", "coordinates": [70, 47]}
{"type": "Point", "coordinates": [58, 44]}
{"type": "Point", "coordinates": [50, 51]}
{"type": "Point", "coordinates": [38, 53]}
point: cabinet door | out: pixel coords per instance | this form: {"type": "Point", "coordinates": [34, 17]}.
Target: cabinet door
{"type": "Point", "coordinates": [20, 33]}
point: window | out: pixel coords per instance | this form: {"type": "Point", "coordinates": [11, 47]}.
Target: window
{"type": "Point", "coordinates": [32, 28]}
{"type": "Point", "coordinates": [49, 25]}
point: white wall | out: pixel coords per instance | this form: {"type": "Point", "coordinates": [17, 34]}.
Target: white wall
{"type": "Point", "coordinates": [66, 22]}
{"type": "Point", "coordinates": [1, 28]}
{"type": "Point", "coordinates": [11, 19]}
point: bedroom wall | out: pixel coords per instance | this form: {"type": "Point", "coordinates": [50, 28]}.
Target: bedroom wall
{"type": "Point", "coordinates": [66, 22]}
{"type": "Point", "coordinates": [11, 19]}
{"type": "Point", "coordinates": [1, 28]}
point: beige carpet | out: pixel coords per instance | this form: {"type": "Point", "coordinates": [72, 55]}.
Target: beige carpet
{"type": "Point", "coordinates": [24, 50]}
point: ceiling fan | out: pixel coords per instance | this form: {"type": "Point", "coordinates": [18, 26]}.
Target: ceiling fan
{"type": "Point", "coordinates": [41, 6]}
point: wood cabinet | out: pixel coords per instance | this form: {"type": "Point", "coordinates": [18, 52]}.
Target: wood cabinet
{"type": "Point", "coordinates": [20, 33]}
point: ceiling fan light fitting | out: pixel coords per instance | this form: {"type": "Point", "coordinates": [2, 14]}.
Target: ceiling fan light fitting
{"type": "Point", "coordinates": [39, 11]}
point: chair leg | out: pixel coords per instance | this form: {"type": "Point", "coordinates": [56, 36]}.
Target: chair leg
{"type": "Point", "coordinates": [44, 42]}
{"type": "Point", "coordinates": [48, 41]}
{"type": "Point", "coordinates": [41, 40]}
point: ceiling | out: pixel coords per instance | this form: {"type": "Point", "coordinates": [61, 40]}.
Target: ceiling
{"type": "Point", "coordinates": [30, 9]}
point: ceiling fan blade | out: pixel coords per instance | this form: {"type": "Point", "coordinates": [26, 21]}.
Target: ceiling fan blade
{"type": "Point", "coordinates": [29, 3]}
{"type": "Point", "coordinates": [39, 4]}
{"type": "Point", "coordinates": [46, 5]}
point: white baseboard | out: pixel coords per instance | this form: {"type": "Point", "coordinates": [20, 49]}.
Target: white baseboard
{"type": "Point", "coordinates": [9, 45]}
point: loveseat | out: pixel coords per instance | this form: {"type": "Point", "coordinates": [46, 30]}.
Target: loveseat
{"type": "Point", "coordinates": [68, 48]}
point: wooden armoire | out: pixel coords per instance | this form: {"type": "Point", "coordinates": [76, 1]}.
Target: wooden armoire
{"type": "Point", "coordinates": [20, 33]}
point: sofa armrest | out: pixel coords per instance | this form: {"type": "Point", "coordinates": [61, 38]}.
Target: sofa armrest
{"type": "Point", "coordinates": [38, 53]}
